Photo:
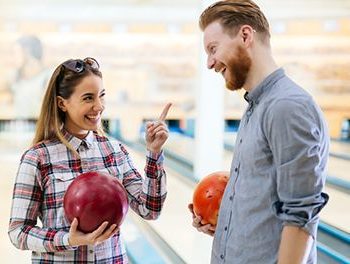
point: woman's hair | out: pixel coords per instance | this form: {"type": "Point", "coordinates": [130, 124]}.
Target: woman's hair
{"type": "Point", "coordinates": [232, 14]}
{"type": "Point", "coordinates": [62, 83]}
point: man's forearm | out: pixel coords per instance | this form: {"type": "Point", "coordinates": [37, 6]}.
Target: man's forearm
{"type": "Point", "coordinates": [294, 246]}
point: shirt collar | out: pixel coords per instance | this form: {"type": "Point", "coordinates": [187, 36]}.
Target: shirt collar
{"type": "Point", "coordinates": [255, 95]}
{"type": "Point", "coordinates": [87, 142]}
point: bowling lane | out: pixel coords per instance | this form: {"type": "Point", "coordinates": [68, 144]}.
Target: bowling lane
{"type": "Point", "coordinates": [340, 148]}
{"type": "Point", "coordinates": [181, 145]}
{"type": "Point", "coordinates": [337, 212]}
{"type": "Point", "coordinates": [175, 222]}
{"type": "Point", "coordinates": [339, 167]}
{"type": "Point", "coordinates": [184, 147]}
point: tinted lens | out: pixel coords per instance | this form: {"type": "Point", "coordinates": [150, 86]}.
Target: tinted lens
{"type": "Point", "coordinates": [79, 66]}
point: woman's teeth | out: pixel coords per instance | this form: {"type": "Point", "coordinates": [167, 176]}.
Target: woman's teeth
{"type": "Point", "coordinates": [94, 117]}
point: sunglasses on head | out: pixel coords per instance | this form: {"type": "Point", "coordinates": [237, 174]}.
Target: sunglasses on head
{"type": "Point", "coordinates": [78, 65]}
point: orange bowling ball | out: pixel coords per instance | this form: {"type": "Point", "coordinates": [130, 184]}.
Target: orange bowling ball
{"type": "Point", "coordinates": [207, 196]}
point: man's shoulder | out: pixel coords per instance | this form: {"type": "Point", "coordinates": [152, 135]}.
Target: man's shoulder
{"type": "Point", "coordinates": [288, 93]}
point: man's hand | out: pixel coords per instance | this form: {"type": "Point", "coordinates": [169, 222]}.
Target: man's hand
{"type": "Point", "coordinates": [196, 222]}
{"type": "Point", "coordinates": [157, 132]}
{"type": "Point", "coordinates": [78, 238]}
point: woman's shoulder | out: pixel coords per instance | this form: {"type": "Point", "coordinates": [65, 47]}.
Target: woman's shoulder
{"type": "Point", "coordinates": [38, 150]}
{"type": "Point", "coordinates": [33, 152]}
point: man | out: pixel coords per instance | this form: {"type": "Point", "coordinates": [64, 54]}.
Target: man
{"type": "Point", "coordinates": [30, 78]}
{"type": "Point", "coordinates": [269, 211]}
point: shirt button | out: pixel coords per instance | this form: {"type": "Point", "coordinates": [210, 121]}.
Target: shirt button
{"type": "Point", "coordinates": [225, 228]}
{"type": "Point", "coordinates": [222, 256]}
{"type": "Point", "coordinates": [240, 141]}
{"type": "Point", "coordinates": [231, 198]}
{"type": "Point", "coordinates": [236, 169]}
{"type": "Point", "coordinates": [91, 251]}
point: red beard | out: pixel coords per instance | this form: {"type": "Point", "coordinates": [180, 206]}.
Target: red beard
{"type": "Point", "coordinates": [238, 67]}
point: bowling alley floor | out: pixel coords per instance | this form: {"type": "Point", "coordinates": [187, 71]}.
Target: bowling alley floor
{"type": "Point", "coordinates": [11, 148]}
{"type": "Point", "coordinates": [174, 225]}
{"type": "Point", "coordinates": [175, 222]}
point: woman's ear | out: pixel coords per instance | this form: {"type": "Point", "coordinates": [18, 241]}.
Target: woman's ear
{"type": "Point", "coordinates": [61, 103]}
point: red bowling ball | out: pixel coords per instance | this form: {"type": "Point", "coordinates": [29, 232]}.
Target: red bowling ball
{"type": "Point", "coordinates": [208, 194]}
{"type": "Point", "coordinates": [93, 198]}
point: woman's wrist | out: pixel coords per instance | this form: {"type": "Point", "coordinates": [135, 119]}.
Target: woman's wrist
{"type": "Point", "coordinates": [155, 151]}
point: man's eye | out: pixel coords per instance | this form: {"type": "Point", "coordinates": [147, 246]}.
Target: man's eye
{"type": "Point", "coordinates": [87, 98]}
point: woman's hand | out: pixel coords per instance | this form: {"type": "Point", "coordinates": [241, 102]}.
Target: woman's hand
{"type": "Point", "coordinates": [196, 222]}
{"type": "Point", "coordinates": [157, 132]}
{"type": "Point", "coordinates": [78, 238]}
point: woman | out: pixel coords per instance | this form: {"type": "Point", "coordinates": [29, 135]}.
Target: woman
{"type": "Point", "coordinates": [69, 141]}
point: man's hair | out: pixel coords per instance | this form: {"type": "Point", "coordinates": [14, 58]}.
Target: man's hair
{"type": "Point", "coordinates": [232, 14]}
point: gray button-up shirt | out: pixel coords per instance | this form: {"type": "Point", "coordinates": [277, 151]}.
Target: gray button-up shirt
{"type": "Point", "coordinates": [277, 173]}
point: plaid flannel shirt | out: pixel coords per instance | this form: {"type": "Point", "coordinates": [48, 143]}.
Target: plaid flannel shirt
{"type": "Point", "coordinates": [45, 172]}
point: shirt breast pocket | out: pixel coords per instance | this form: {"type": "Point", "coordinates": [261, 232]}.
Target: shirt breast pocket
{"type": "Point", "coordinates": [54, 197]}
{"type": "Point", "coordinates": [60, 183]}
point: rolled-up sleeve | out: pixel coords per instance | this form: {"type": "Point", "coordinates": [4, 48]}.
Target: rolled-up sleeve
{"type": "Point", "coordinates": [299, 142]}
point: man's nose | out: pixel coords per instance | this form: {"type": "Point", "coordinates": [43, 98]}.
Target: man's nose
{"type": "Point", "coordinates": [210, 62]}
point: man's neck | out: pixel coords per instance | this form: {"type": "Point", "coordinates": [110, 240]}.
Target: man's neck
{"type": "Point", "coordinates": [262, 66]}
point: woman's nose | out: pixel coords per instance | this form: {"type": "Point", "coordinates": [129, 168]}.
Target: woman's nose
{"type": "Point", "coordinates": [99, 105]}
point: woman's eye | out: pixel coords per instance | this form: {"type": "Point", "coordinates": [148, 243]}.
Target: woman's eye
{"type": "Point", "coordinates": [88, 98]}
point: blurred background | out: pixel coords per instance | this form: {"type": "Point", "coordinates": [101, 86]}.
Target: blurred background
{"type": "Point", "coordinates": [150, 53]}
